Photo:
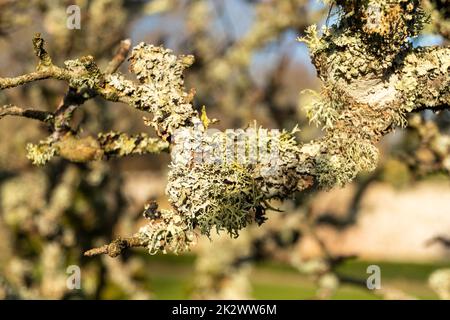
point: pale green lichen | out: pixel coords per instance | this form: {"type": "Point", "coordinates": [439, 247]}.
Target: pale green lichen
{"type": "Point", "coordinates": [230, 191]}
{"type": "Point", "coordinates": [168, 232]}
{"type": "Point", "coordinates": [349, 158]}
{"type": "Point", "coordinates": [120, 144]}
{"type": "Point", "coordinates": [322, 109]}
{"type": "Point", "coordinates": [421, 68]}
{"type": "Point", "coordinates": [41, 153]}
{"type": "Point", "coordinates": [225, 197]}
{"type": "Point", "coordinates": [313, 40]}
{"type": "Point", "coordinates": [162, 89]}
{"type": "Point", "coordinates": [88, 75]}
{"type": "Point", "coordinates": [368, 38]}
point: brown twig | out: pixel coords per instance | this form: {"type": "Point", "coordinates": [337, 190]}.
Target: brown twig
{"type": "Point", "coordinates": [12, 110]}
{"type": "Point", "coordinates": [55, 73]}
{"type": "Point", "coordinates": [439, 239]}
{"type": "Point", "coordinates": [116, 247]}
{"type": "Point", "coordinates": [119, 57]}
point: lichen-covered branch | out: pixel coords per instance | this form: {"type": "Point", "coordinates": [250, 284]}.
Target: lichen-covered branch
{"type": "Point", "coordinates": [85, 149]}
{"type": "Point", "coordinates": [75, 97]}
{"type": "Point", "coordinates": [85, 81]}
{"type": "Point", "coordinates": [371, 78]}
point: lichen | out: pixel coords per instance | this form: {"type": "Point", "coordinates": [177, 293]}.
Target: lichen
{"type": "Point", "coordinates": [224, 191]}
{"type": "Point", "coordinates": [41, 153]}
{"type": "Point", "coordinates": [162, 89]}
{"type": "Point", "coordinates": [323, 109]}
{"type": "Point", "coordinates": [120, 144]}
{"type": "Point", "coordinates": [167, 233]}
{"type": "Point", "coordinates": [88, 74]}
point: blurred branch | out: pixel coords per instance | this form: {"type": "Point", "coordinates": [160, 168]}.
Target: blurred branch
{"type": "Point", "coordinates": [353, 210]}
{"type": "Point", "coordinates": [439, 240]}
{"type": "Point", "coordinates": [120, 56]}
{"type": "Point", "coordinates": [12, 110]}
{"type": "Point", "coordinates": [104, 146]}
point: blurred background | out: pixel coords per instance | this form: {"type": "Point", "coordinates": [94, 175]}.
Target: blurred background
{"type": "Point", "coordinates": [249, 66]}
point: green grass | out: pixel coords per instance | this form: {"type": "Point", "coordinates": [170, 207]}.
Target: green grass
{"type": "Point", "coordinates": [167, 287]}
{"type": "Point", "coordinates": [305, 291]}
{"type": "Point", "coordinates": [172, 278]}
{"type": "Point", "coordinates": [393, 270]}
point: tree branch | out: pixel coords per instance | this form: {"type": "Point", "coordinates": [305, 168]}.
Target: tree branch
{"type": "Point", "coordinates": [89, 148]}
{"type": "Point", "coordinates": [116, 247]}
{"type": "Point", "coordinates": [119, 57]}
{"type": "Point", "coordinates": [55, 73]}
{"type": "Point", "coordinates": [12, 110]}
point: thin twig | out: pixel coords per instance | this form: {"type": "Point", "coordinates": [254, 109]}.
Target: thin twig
{"type": "Point", "coordinates": [116, 247]}
{"type": "Point", "coordinates": [119, 57]}
{"type": "Point", "coordinates": [445, 241]}
{"type": "Point", "coordinates": [12, 110]}
{"type": "Point", "coordinates": [55, 73]}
